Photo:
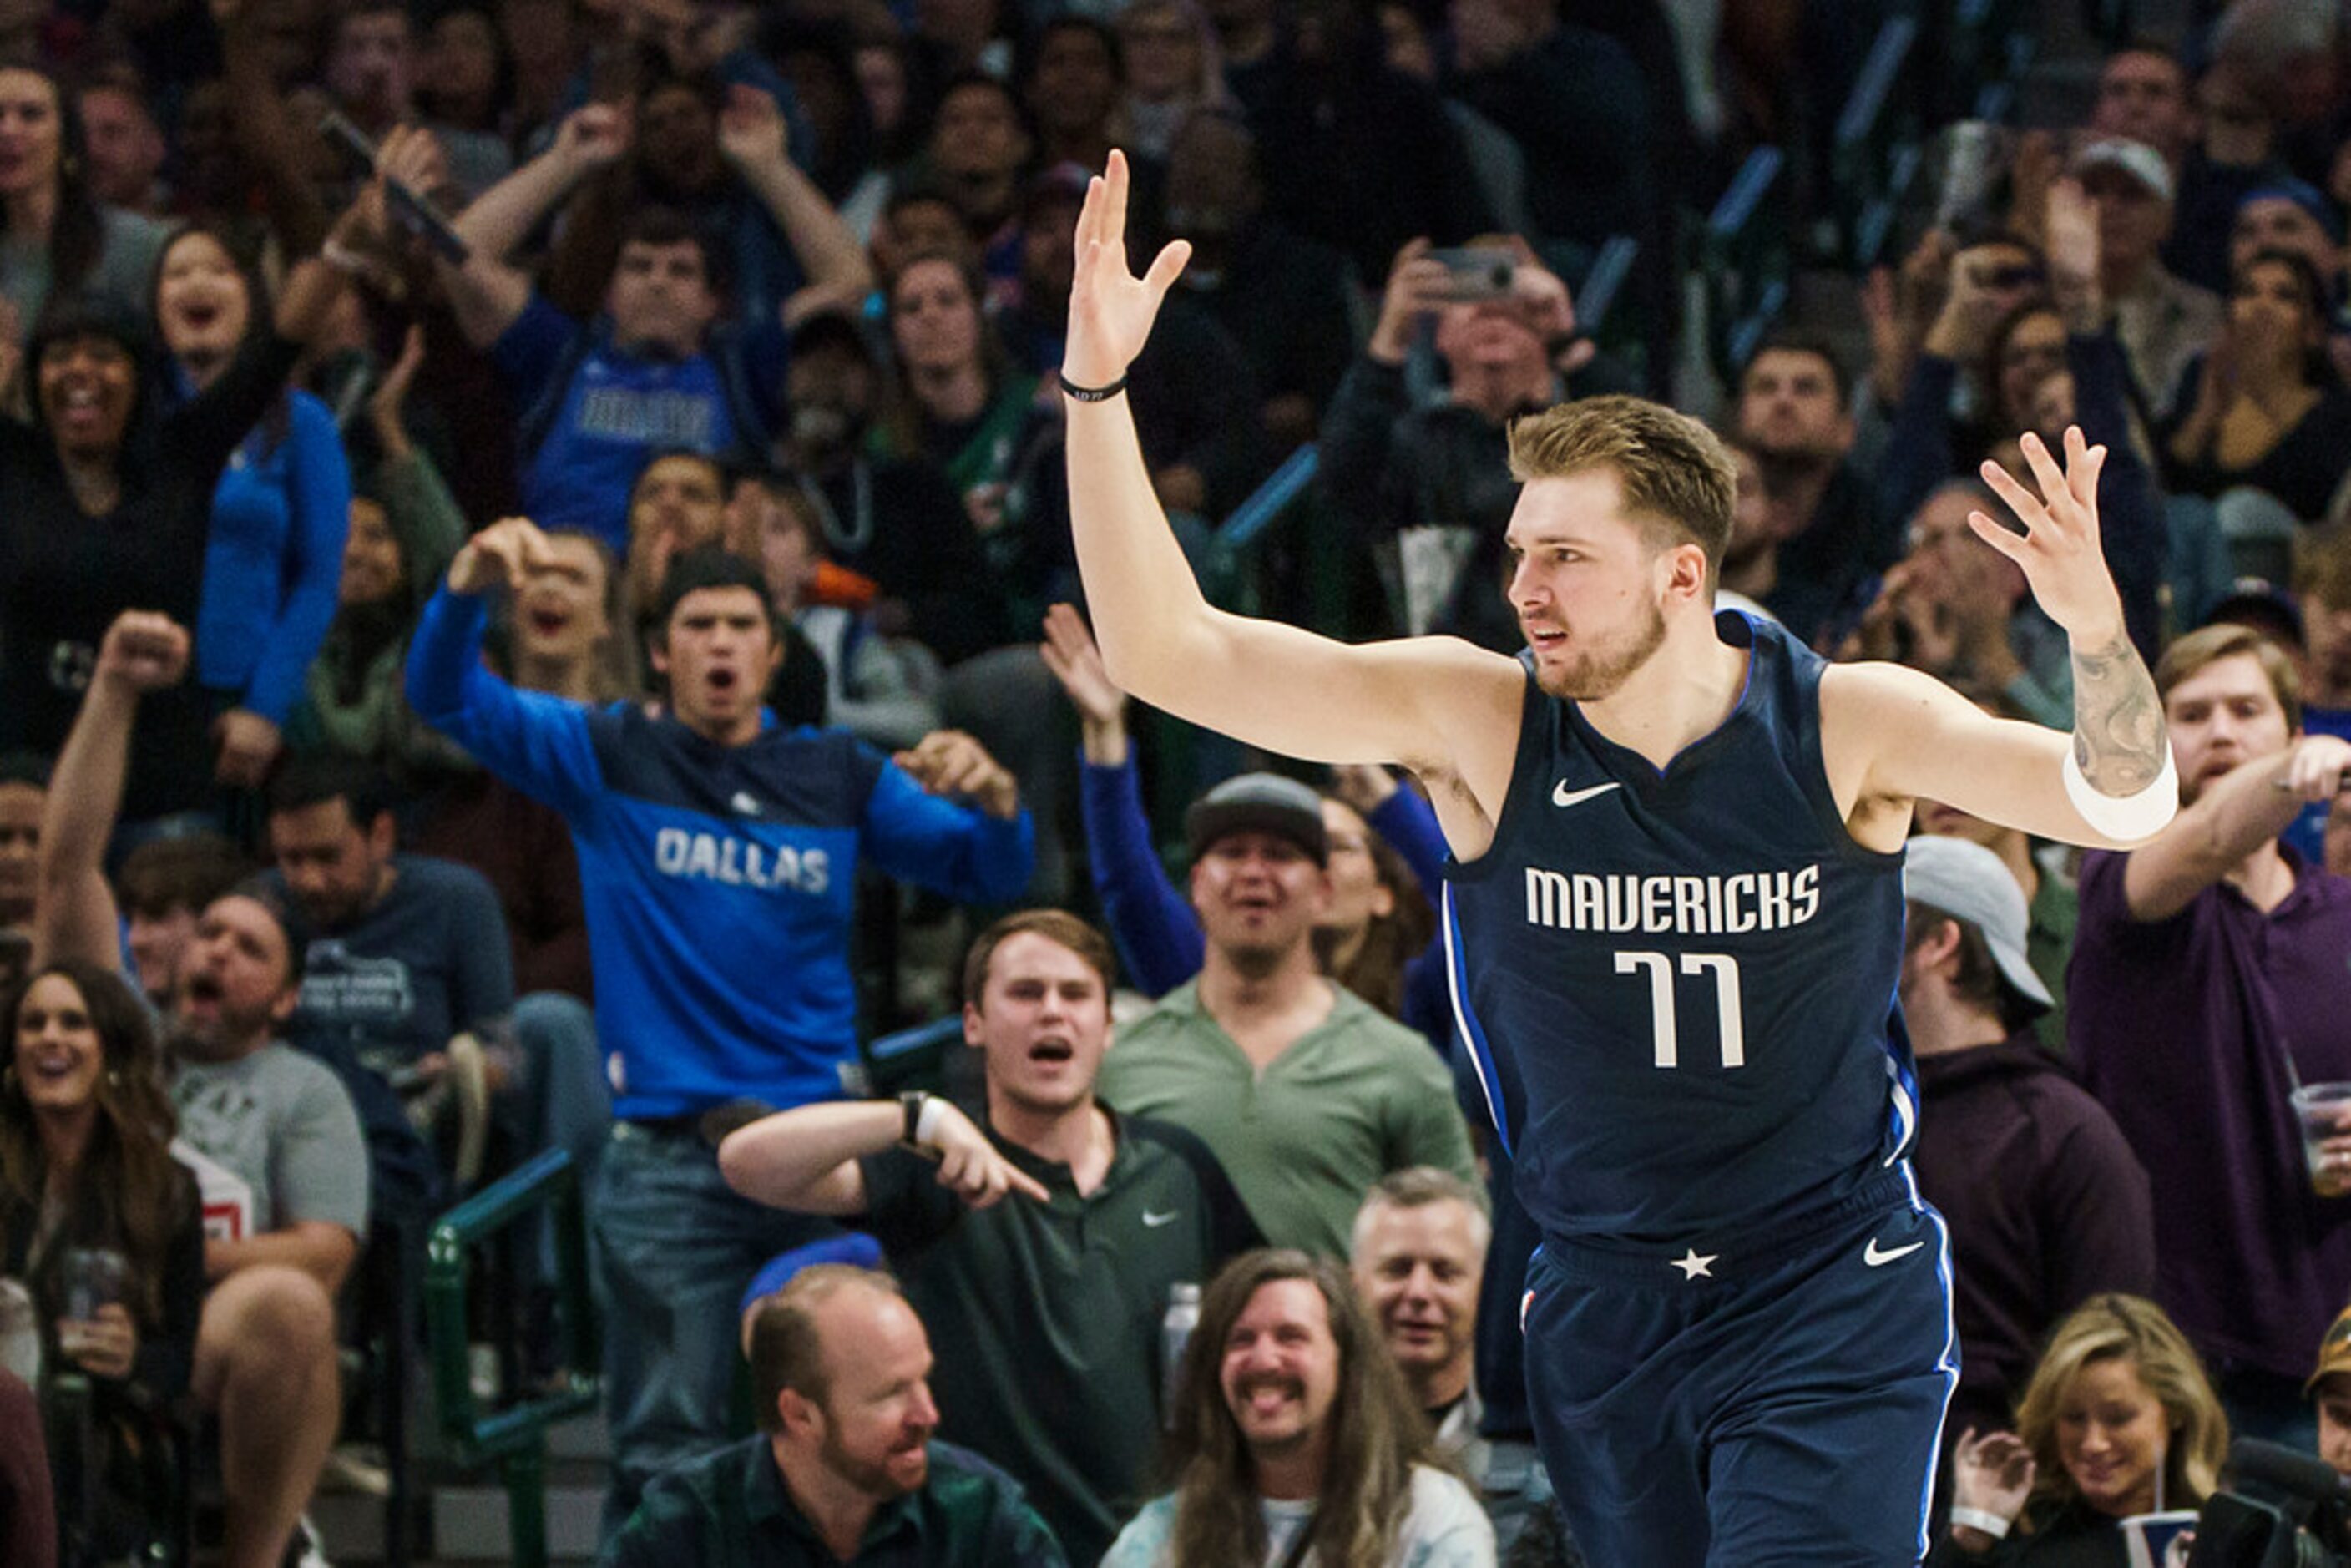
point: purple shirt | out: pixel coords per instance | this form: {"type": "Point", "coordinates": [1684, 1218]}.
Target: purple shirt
{"type": "Point", "coordinates": [2184, 1029]}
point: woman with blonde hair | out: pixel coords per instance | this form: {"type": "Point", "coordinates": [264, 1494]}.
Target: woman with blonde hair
{"type": "Point", "coordinates": [2119, 1419]}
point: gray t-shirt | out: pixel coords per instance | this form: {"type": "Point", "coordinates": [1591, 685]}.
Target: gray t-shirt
{"type": "Point", "coordinates": [282, 1124]}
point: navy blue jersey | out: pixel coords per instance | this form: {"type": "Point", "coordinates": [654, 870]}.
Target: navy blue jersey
{"type": "Point", "coordinates": [1679, 985]}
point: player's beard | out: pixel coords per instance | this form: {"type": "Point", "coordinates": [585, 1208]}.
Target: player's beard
{"type": "Point", "coordinates": [1595, 673]}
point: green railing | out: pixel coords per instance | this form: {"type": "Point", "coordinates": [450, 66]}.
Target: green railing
{"type": "Point", "coordinates": [514, 1437]}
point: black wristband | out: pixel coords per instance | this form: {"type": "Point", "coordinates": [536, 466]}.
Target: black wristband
{"type": "Point", "coordinates": [1094, 394]}
{"type": "Point", "coordinates": [912, 1103]}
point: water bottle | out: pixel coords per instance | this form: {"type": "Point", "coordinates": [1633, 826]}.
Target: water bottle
{"type": "Point", "coordinates": [1175, 1333]}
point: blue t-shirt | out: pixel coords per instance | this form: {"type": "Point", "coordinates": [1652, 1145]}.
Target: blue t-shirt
{"type": "Point", "coordinates": [1678, 985]}
{"type": "Point", "coordinates": [718, 880]}
{"type": "Point", "coordinates": [614, 411]}
{"type": "Point", "coordinates": [428, 961]}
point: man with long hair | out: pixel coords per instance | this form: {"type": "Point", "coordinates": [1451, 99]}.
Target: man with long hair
{"type": "Point", "coordinates": [1295, 1439]}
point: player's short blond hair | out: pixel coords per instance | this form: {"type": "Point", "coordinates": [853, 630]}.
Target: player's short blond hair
{"type": "Point", "coordinates": [1676, 476]}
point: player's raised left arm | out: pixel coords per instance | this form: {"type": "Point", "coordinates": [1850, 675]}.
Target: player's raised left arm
{"type": "Point", "coordinates": [2113, 786]}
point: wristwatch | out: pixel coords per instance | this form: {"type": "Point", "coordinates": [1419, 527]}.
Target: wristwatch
{"type": "Point", "coordinates": [911, 1101]}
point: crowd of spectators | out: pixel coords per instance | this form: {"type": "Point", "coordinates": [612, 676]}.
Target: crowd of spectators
{"type": "Point", "coordinates": [556, 635]}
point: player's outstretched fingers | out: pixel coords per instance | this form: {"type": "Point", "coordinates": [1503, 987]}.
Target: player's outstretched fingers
{"type": "Point", "coordinates": [1999, 534]}
{"type": "Point", "coordinates": [2053, 488]}
{"type": "Point", "coordinates": [1115, 183]}
{"type": "Point", "coordinates": [1165, 268]}
{"type": "Point", "coordinates": [2083, 465]}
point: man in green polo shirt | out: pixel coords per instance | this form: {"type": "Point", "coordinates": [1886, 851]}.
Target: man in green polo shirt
{"type": "Point", "coordinates": [844, 1470]}
{"type": "Point", "coordinates": [1304, 1091]}
{"type": "Point", "coordinates": [1042, 1250]}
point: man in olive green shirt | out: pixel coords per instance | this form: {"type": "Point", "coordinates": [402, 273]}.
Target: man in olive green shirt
{"type": "Point", "coordinates": [1304, 1092]}
{"type": "Point", "coordinates": [1041, 1239]}
{"type": "Point", "coordinates": [845, 1469]}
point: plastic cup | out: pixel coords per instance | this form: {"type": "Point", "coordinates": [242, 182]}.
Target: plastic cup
{"type": "Point", "coordinates": [2324, 1112]}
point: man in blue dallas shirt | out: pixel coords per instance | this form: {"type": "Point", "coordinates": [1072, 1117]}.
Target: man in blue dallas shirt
{"type": "Point", "coordinates": [718, 855]}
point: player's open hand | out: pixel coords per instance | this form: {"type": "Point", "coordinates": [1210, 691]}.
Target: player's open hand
{"type": "Point", "coordinates": [974, 1169]}
{"type": "Point", "coordinates": [2058, 551]}
{"type": "Point", "coordinates": [1111, 310]}
{"type": "Point", "coordinates": [504, 555]}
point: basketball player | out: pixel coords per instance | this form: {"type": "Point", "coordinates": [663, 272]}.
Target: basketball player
{"type": "Point", "coordinates": [1674, 914]}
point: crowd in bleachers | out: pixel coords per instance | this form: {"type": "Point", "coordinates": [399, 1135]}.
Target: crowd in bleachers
{"type": "Point", "coordinates": [545, 617]}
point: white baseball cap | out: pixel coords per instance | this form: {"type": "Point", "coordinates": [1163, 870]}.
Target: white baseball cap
{"type": "Point", "coordinates": [1970, 884]}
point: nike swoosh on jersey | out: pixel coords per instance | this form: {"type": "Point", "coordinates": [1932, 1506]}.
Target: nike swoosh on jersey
{"type": "Point", "coordinates": [1560, 795]}
{"type": "Point", "coordinates": [1877, 1259]}
{"type": "Point", "coordinates": [1155, 1220]}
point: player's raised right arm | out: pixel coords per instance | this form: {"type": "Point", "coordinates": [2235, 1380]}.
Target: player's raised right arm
{"type": "Point", "coordinates": [1426, 702]}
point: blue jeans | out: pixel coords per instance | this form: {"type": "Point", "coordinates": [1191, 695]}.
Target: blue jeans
{"type": "Point", "coordinates": [567, 1105]}
{"type": "Point", "coordinates": [561, 1102]}
{"type": "Point", "coordinates": [676, 1248]}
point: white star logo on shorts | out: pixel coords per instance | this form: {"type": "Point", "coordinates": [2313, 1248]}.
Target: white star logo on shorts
{"type": "Point", "coordinates": [1692, 1266]}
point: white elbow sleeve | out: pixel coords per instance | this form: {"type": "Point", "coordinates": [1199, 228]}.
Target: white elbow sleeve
{"type": "Point", "coordinates": [2127, 817]}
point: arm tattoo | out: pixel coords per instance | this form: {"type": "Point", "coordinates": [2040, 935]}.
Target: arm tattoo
{"type": "Point", "coordinates": [2119, 740]}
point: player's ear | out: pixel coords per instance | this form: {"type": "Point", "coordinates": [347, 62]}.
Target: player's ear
{"type": "Point", "coordinates": [1685, 572]}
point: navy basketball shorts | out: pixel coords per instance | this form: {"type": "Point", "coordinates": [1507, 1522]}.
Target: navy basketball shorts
{"type": "Point", "coordinates": [1764, 1400]}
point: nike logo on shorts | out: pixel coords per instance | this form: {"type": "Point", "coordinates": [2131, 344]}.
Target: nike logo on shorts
{"type": "Point", "coordinates": [1877, 1259]}
{"type": "Point", "coordinates": [1560, 795]}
